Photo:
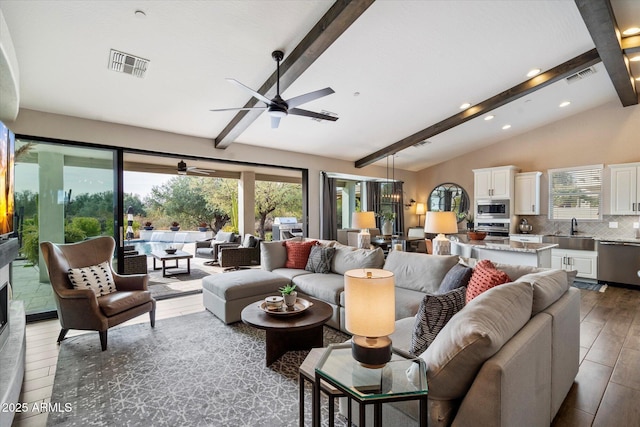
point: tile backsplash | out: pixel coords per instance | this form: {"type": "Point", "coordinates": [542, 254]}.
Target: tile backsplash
{"type": "Point", "coordinates": [599, 229]}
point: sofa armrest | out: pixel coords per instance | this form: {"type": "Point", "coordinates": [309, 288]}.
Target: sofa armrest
{"type": "Point", "coordinates": [203, 243]}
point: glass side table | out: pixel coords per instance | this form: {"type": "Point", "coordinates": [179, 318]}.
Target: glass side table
{"type": "Point", "coordinates": [369, 386]}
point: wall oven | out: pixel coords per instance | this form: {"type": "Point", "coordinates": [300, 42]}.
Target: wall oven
{"type": "Point", "coordinates": [500, 229]}
{"type": "Point", "coordinates": [493, 209]}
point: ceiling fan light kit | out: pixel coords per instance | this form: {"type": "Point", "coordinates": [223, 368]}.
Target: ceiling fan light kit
{"type": "Point", "coordinates": [278, 107]}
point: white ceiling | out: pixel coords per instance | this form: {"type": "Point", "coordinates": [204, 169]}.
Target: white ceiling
{"type": "Point", "coordinates": [412, 62]}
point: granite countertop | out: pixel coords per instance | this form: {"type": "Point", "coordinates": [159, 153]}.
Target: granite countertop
{"type": "Point", "coordinates": [506, 245]}
{"type": "Point", "coordinates": [618, 239]}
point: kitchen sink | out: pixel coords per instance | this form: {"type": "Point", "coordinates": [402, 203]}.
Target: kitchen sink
{"type": "Point", "coordinates": [576, 242]}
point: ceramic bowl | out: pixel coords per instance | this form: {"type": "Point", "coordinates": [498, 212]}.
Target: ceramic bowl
{"type": "Point", "coordinates": [476, 235]}
{"type": "Point", "coordinates": [170, 251]}
{"type": "Point", "coordinates": [274, 303]}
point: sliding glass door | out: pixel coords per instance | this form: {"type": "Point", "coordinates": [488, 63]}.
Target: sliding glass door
{"type": "Point", "coordinates": [64, 194]}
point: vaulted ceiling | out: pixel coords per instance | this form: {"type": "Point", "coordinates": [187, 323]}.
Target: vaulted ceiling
{"type": "Point", "coordinates": [400, 69]}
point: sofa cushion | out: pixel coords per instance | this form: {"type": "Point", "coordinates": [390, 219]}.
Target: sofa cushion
{"type": "Point", "coordinates": [472, 336]}
{"type": "Point", "coordinates": [98, 278]}
{"type": "Point", "coordinates": [272, 255]}
{"type": "Point", "coordinates": [320, 259]}
{"type": "Point", "coordinates": [249, 241]}
{"type": "Point", "coordinates": [548, 286]}
{"type": "Point", "coordinates": [407, 302]}
{"type": "Point", "coordinates": [326, 287]}
{"type": "Point", "coordinates": [243, 284]}
{"type": "Point", "coordinates": [434, 313]}
{"type": "Point", "coordinates": [118, 302]}
{"type": "Point", "coordinates": [298, 253]}
{"type": "Point", "coordinates": [224, 236]}
{"type": "Point", "coordinates": [348, 258]}
{"type": "Point", "coordinates": [419, 272]}
{"type": "Point", "coordinates": [485, 276]}
{"type": "Point", "coordinates": [290, 273]}
{"type": "Point", "coordinates": [458, 276]}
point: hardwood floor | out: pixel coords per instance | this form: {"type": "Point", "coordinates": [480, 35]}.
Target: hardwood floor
{"type": "Point", "coordinates": [606, 391]}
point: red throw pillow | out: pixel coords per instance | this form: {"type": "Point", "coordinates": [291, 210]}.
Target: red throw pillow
{"type": "Point", "coordinates": [485, 276]}
{"type": "Point", "coordinates": [298, 253]}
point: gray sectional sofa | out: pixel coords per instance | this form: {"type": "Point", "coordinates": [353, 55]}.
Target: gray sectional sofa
{"type": "Point", "coordinates": [508, 358]}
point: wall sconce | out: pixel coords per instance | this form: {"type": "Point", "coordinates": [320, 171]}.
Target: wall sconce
{"type": "Point", "coordinates": [408, 205]}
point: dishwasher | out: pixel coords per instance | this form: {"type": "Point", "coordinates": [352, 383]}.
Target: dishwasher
{"type": "Point", "coordinates": [619, 262]}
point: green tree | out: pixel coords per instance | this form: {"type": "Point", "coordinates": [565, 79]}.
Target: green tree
{"type": "Point", "coordinates": [276, 199]}
{"type": "Point", "coordinates": [27, 200]}
{"type": "Point", "coordinates": [136, 203]}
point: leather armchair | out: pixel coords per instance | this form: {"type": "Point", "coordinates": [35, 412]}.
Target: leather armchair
{"type": "Point", "coordinates": [81, 308]}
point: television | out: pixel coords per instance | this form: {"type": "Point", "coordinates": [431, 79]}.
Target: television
{"type": "Point", "coordinates": [7, 164]}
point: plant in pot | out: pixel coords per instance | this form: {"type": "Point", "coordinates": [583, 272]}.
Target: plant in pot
{"type": "Point", "coordinates": [289, 294]}
{"type": "Point", "coordinates": [387, 222]}
{"type": "Point", "coordinates": [203, 226]}
{"type": "Point", "coordinates": [175, 226]}
{"type": "Point", "coordinates": [148, 226]}
{"type": "Point", "coordinates": [469, 218]}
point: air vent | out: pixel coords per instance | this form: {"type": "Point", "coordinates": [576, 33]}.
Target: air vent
{"type": "Point", "coordinates": [580, 75]}
{"type": "Point", "coordinates": [125, 63]}
{"type": "Point", "coordinates": [327, 113]}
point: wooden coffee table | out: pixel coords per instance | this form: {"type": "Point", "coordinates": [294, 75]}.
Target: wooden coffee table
{"type": "Point", "coordinates": [161, 255]}
{"type": "Point", "coordinates": [302, 331]}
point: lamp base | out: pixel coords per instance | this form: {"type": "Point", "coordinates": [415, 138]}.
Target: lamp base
{"type": "Point", "coordinates": [371, 352]}
{"type": "Point", "coordinates": [441, 245]}
{"type": "Point", "coordinates": [364, 240]}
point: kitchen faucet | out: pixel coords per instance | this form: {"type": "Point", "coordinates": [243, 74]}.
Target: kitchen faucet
{"type": "Point", "coordinates": [574, 226]}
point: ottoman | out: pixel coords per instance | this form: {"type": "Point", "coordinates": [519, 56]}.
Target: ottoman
{"type": "Point", "coordinates": [226, 294]}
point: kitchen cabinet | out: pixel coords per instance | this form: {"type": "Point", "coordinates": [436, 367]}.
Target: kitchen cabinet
{"type": "Point", "coordinates": [625, 189]}
{"type": "Point", "coordinates": [527, 193]}
{"type": "Point", "coordinates": [494, 183]}
{"type": "Point", "coordinates": [585, 262]}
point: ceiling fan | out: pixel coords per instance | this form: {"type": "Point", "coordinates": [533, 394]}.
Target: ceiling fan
{"type": "Point", "coordinates": [278, 107]}
{"type": "Point", "coordinates": [183, 169]}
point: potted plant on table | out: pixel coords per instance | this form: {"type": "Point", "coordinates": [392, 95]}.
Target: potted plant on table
{"type": "Point", "coordinates": [203, 226]}
{"type": "Point", "coordinates": [289, 294]}
{"type": "Point", "coordinates": [175, 226]}
{"type": "Point", "coordinates": [148, 226]}
{"type": "Point", "coordinates": [387, 222]}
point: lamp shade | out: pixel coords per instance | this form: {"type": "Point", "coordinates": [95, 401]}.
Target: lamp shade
{"type": "Point", "coordinates": [370, 302]}
{"type": "Point", "coordinates": [363, 220]}
{"type": "Point", "coordinates": [420, 208]}
{"type": "Point", "coordinates": [441, 223]}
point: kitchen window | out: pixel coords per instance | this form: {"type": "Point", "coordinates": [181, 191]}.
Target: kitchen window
{"type": "Point", "coordinates": [575, 193]}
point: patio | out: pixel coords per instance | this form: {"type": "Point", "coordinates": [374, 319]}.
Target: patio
{"type": "Point", "coordinates": [38, 297]}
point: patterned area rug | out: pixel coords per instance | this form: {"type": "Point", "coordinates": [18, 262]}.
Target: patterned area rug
{"type": "Point", "coordinates": [170, 286]}
{"type": "Point", "coordinates": [191, 370]}
{"type": "Point", "coordinates": [589, 286]}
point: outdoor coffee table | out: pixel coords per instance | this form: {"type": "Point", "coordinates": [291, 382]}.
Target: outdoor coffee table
{"type": "Point", "coordinates": [301, 331]}
{"type": "Point", "coordinates": [161, 255]}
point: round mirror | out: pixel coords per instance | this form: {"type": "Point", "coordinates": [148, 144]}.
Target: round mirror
{"type": "Point", "coordinates": [449, 197]}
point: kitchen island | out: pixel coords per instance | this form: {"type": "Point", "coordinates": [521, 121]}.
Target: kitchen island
{"type": "Point", "coordinates": [505, 251]}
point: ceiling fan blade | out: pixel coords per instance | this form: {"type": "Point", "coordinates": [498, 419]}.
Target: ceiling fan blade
{"type": "Point", "coordinates": [308, 97]}
{"type": "Point", "coordinates": [201, 172]}
{"type": "Point", "coordinates": [240, 109]}
{"type": "Point", "coordinates": [312, 114]}
{"type": "Point", "coordinates": [275, 122]}
{"type": "Point", "coordinates": [252, 92]}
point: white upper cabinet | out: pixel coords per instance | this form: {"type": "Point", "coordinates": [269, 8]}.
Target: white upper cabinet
{"type": "Point", "coordinates": [527, 193]}
{"type": "Point", "coordinates": [625, 189]}
{"type": "Point", "coordinates": [494, 183]}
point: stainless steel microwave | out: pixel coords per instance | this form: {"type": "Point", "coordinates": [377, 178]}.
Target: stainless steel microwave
{"type": "Point", "coordinates": [493, 209]}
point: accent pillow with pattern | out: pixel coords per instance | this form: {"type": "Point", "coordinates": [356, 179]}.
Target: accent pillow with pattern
{"type": "Point", "coordinates": [320, 259]}
{"type": "Point", "coordinates": [298, 253]}
{"type": "Point", "coordinates": [485, 276]}
{"type": "Point", "coordinates": [98, 278]}
{"type": "Point", "coordinates": [434, 313]}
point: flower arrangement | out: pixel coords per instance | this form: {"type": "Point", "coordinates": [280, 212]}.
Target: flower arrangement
{"type": "Point", "coordinates": [387, 215]}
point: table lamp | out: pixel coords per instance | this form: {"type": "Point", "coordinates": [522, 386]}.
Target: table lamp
{"type": "Point", "coordinates": [441, 223]}
{"type": "Point", "coordinates": [364, 221]}
{"type": "Point", "coordinates": [370, 314]}
{"type": "Point", "coordinates": [421, 209]}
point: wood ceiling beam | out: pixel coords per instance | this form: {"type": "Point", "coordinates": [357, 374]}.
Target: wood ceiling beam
{"type": "Point", "coordinates": [553, 75]}
{"type": "Point", "coordinates": [338, 18]}
{"type": "Point", "coordinates": [600, 21]}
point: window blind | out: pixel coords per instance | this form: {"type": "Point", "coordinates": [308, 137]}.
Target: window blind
{"type": "Point", "coordinates": [575, 193]}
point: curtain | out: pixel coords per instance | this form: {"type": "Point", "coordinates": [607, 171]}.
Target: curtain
{"type": "Point", "coordinates": [328, 212]}
{"type": "Point", "coordinates": [398, 208]}
{"type": "Point", "coordinates": [373, 196]}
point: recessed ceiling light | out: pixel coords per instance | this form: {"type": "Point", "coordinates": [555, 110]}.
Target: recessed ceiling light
{"type": "Point", "coordinates": [534, 72]}
{"type": "Point", "coordinates": [356, 93]}
{"type": "Point", "coordinates": [635, 58]}
{"type": "Point", "coordinates": [465, 106]}
{"type": "Point", "coordinates": [631, 31]}
{"type": "Point", "coordinates": [489, 117]}
{"type": "Point", "coordinates": [505, 127]}
{"type": "Point", "coordinates": [564, 104]}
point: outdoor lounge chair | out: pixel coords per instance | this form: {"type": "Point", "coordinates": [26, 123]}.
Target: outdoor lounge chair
{"type": "Point", "coordinates": [245, 255]}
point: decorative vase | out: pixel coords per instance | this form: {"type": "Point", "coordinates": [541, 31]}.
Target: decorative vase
{"type": "Point", "coordinates": [290, 299]}
{"type": "Point", "coordinates": [202, 228]}
{"type": "Point", "coordinates": [387, 228]}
